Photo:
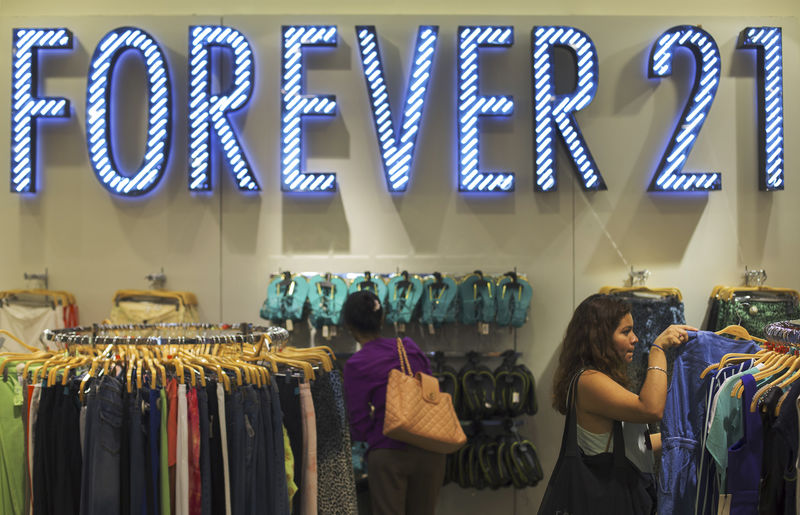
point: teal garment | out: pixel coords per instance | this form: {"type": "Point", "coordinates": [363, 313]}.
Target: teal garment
{"type": "Point", "coordinates": [13, 480]}
{"type": "Point", "coordinates": [478, 299]}
{"type": "Point", "coordinates": [376, 285]}
{"type": "Point", "coordinates": [326, 298]}
{"type": "Point", "coordinates": [439, 301]}
{"type": "Point", "coordinates": [272, 309]}
{"type": "Point", "coordinates": [285, 300]}
{"type": "Point", "coordinates": [755, 315]}
{"type": "Point", "coordinates": [513, 301]}
{"type": "Point", "coordinates": [726, 426]}
{"type": "Point", "coordinates": [402, 298]}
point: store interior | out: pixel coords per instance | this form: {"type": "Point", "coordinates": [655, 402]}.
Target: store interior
{"type": "Point", "coordinates": [225, 245]}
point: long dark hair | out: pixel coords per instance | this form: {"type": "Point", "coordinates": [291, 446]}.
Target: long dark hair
{"type": "Point", "coordinates": [588, 343]}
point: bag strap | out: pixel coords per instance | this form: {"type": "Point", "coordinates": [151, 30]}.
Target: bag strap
{"type": "Point", "coordinates": [569, 442]}
{"type": "Point", "coordinates": [405, 366]}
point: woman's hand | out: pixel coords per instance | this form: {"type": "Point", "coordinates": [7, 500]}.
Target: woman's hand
{"type": "Point", "coordinates": [673, 336]}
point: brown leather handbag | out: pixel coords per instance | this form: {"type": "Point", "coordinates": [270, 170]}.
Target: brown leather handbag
{"type": "Point", "coordinates": [418, 413]}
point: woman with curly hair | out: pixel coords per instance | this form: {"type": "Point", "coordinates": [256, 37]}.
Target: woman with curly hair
{"type": "Point", "coordinates": [596, 350]}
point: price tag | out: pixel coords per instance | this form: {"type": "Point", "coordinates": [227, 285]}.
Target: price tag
{"type": "Point", "coordinates": [289, 325]}
{"type": "Point", "coordinates": [401, 328]}
{"type": "Point", "coordinates": [326, 333]}
{"type": "Point", "coordinates": [515, 397]}
{"type": "Point", "coordinates": [431, 329]}
{"type": "Point", "coordinates": [483, 328]}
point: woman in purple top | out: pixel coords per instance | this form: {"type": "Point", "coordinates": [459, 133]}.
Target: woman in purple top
{"type": "Point", "coordinates": [403, 479]}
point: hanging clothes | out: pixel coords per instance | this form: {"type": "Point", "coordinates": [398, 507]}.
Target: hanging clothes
{"type": "Point", "coordinates": [683, 421]}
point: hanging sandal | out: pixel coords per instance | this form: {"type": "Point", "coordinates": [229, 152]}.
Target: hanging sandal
{"type": "Point", "coordinates": [478, 388]}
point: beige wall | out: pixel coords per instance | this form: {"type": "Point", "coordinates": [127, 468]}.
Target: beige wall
{"type": "Point", "coordinates": [574, 7]}
{"type": "Point", "coordinates": [224, 246]}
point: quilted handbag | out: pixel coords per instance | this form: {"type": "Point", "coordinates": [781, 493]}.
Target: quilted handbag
{"type": "Point", "coordinates": [418, 413]}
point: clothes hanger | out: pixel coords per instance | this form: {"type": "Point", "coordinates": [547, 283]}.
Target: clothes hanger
{"type": "Point", "coordinates": [729, 293]}
{"type": "Point", "coordinates": [3, 332]}
{"type": "Point", "coordinates": [660, 292]}
{"type": "Point", "coordinates": [768, 371]}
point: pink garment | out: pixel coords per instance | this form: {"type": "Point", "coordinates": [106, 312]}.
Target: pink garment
{"type": "Point", "coordinates": [195, 479]}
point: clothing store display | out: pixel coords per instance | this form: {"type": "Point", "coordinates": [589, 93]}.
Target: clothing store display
{"type": "Point", "coordinates": [744, 457]}
{"type": "Point", "coordinates": [336, 493]}
{"type": "Point", "coordinates": [417, 412]}
{"type": "Point", "coordinates": [145, 418]}
{"type": "Point", "coordinates": [514, 295]}
{"type": "Point", "coordinates": [403, 293]}
{"type": "Point", "coordinates": [369, 282]}
{"type": "Point", "coordinates": [326, 296]}
{"type": "Point", "coordinates": [753, 308]}
{"type": "Point", "coordinates": [603, 483]}
{"type": "Point", "coordinates": [308, 486]}
{"type": "Point", "coordinates": [286, 297]}
{"type": "Point", "coordinates": [478, 299]}
{"type": "Point", "coordinates": [683, 424]}
{"type": "Point", "coordinates": [12, 447]}
{"type": "Point", "coordinates": [439, 302]}
{"type": "Point", "coordinates": [27, 323]}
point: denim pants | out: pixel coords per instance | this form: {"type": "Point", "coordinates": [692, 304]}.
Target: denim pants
{"type": "Point", "coordinates": [137, 474]}
{"type": "Point", "coordinates": [100, 487]}
{"type": "Point", "coordinates": [205, 455]}
{"type": "Point", "coordinates": [682, 426]}
{"type": "Point", "coordinates": [255, 457]}
{"type": "Point", "coordinates": [237, 461]}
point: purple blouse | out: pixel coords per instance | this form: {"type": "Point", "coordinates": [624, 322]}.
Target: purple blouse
{"type": "Point", "coordinates": [365, 378]}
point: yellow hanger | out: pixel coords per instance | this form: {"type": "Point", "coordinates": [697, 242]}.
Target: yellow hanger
{"type": "Point", "coordinates": [13, 337]}
{"type": "Point", "coordinates": [740, 333]}
{"type": "Point", "coordinates": [729, 358]}
{"type": "Point", "coordinates": [767, 371]}
{"type": "Point", "coordinates": [728, 293]}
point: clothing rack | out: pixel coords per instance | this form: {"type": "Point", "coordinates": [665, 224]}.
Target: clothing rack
{"type": "Point", "coordinates": [91, 335]}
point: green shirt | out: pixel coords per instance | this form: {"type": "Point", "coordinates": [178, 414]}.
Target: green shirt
{"type": "Point", "coordinates": [13, 484]}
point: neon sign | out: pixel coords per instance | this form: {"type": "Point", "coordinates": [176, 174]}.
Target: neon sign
{"type": "Point", "coordinates": [98, 112]}
{"type": "Point", "coordinates": [472, 105]}
{"type": "Point", "coordinates": [26, 105]}
{"type": "Point", "coordinates": [295, 105]}
{"type": "Point", "coordinates": [209, 112]}
{"type": "Point", "coordinates": [554, 113]}
{"type": "Point", "coordinates": [397, 145]}
{"type": "Point", "coordinates": [669, 175]}
{"type": "Point", "coordinates": [212, 115]}
{"type": "Point", "coordinates": [767, 42]}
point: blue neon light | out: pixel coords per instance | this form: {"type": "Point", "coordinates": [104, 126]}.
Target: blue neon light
{"type": "Point", "coordinates": [769, 50]}
{"type": "Point", "coordinates": [211, 112]}
{"type": "Point", "coordinates": [98, 112]}
{"type": "Point", "coordinates": [397, 145]}
{"type": "Point", "coordinates": [295, 105]}
{"type": "Point", "coordinates": [554, 114]}
{"type": "Point", "coordinates": [472, 105]}
{"type": "Point", "coordinates": [669, 175]}
{"type": "Point", "coordinates": [26, 105]}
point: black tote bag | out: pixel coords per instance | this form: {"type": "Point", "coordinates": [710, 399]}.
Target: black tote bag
{"type": "Point", "coordinates": [604, 483]}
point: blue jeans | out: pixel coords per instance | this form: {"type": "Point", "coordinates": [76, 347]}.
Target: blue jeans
{"type": "Point", "coordinates": [137, 438]}
{"type": "Point", "coordinates": [100, 488]}
{"type": "Point", "coordinates": [684, 417]}
{"type": "Point", "coordinates": [255, 463]}
{"type": "Point", "coordinates": [205, 454]}
{"type": "Point", "coordinates": [237, 438]}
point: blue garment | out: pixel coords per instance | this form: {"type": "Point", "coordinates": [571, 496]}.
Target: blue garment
{"type": "Point", "coordinates": [237, 449]}
{"type": "Point", "coordinates": [684, 414]}
{"type": "Point", "coordinates": [100, 487]}
{"type": "Point", "coordinates": [138, 471]}
{"type": "Point", "coordinates": [707, 487]}
{"type": "Point", "coordinates": [744, 457]}
{"type": "Point", "coordinates": [205, 454]}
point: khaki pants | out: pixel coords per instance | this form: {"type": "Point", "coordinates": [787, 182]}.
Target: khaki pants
{"type": "Point", "coordinates": [405, 481]}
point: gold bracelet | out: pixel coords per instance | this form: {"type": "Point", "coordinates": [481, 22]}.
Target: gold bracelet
{"type": "Point", "coordinates": [657, 368]}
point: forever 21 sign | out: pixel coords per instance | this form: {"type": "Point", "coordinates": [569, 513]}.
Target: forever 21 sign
{"type": "Point", "coordinates": [396, 130]}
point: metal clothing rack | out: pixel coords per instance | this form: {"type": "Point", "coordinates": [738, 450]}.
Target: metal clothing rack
{"type": "Point", "coordinates": [228, 333]}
